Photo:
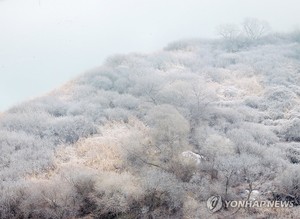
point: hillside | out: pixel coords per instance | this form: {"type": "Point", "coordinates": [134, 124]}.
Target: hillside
{"type": "Point", "coordinates": [155, 135]}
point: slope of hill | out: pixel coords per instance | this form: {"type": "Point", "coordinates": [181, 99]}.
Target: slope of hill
{"type": "Point", "coordinates": [154, 136]}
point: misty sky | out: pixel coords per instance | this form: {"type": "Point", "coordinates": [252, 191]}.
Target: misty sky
{"type": "Point", "coordinates": [44, 43]}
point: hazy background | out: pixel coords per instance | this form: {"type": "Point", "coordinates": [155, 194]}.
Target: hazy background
{"type": "Point", "coordinates": [44, 43]}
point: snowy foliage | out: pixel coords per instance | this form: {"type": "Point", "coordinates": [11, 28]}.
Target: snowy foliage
{"type": "Point", "coordinates": [153, 136]}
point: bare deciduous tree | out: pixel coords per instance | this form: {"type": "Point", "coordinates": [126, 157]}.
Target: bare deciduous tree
{"type": "Point", "coordinates": [254, 28]}
{"type": "Point", "coordinates": [228, 31]}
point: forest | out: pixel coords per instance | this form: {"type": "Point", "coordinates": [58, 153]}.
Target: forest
{"type": "Point", "coordinates": [155, 135]}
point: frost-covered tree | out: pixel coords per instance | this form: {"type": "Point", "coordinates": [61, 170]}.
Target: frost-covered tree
{"type": "Point", "coordinates": [231, 35]}
{"type": "Point", "coordinates": [255, 28]}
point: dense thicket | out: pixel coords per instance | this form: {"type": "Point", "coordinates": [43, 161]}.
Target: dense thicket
{"type": "Point", "coordinates": [112, 142]}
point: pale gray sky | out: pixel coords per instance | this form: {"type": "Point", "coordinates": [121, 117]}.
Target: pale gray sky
{"type": "Point", "coordinates": [44, 43]}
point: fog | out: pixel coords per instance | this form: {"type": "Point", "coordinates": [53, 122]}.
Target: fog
{"type": "Point", "coordinates": [46, 43]}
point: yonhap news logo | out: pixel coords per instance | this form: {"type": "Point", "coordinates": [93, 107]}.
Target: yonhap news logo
{"type": "Point", "coordinates": [215, 203]}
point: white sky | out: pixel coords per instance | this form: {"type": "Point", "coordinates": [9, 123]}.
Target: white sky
{"type": "Point", "coordinates": [44, 43]}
